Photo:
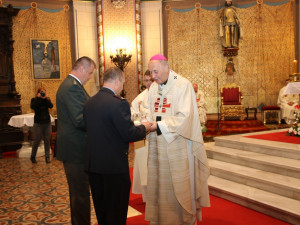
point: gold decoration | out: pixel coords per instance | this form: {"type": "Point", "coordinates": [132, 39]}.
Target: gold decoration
{"type": "Point", "coordinates": [28, 24]}
{"type": "Point", "coordinates": [231, 85]}
{"type": "Point", "coordinates": [266, 58]}
{"type": "Point", "coordinates": [118, 4]}
{"type": "Point", "coordinates": [269, 116]}
{"type": "Point", "coordinates": [295, 77]}
{"type": "Point", "coordinates": [230, 52]}
{"type": "Point", "coordinates": [232, 111]}
{"type": "Point", "coordinates": [198, 5]}
{"type": "Point", "coordinates": [168, 7]}
{"type": "Point", "coordinates": [66, 8]}
{"type": "Point", "coordinates": [260, 2]}
{"type": "Point", "coordinates": [33, 5]}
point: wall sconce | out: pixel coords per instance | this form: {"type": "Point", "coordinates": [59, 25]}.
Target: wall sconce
{"type": "Point", "coordinates": [121, 59]}
{"type": "Point", "coordinates": [118, 3]}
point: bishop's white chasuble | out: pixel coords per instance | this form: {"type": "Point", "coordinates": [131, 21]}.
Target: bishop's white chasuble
{"type": "Point", "coordinates": [177, 164]}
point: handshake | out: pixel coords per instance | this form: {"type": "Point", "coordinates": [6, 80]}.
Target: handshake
{"type": "Point", "coordinates": [150, 126]}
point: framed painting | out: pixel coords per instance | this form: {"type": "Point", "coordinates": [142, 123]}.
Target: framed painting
{"type": "Point", "coordinates": [45, 59]}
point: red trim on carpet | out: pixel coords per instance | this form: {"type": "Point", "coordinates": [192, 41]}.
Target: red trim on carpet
{"type": "Point", "coordinates": [277, 136]}
{"type": "Point", "coordinates": [221, 212]}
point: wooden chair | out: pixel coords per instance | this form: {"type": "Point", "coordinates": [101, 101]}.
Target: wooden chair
{"type": "Point", "coordinates": [231, 102]}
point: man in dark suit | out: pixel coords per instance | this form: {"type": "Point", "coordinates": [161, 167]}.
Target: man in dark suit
{"type": "Point", "coordinates": [109, 131]}
{"type": "Point", "coordinates": [71, 137]}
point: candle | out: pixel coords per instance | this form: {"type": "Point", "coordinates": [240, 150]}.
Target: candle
{"type": "Point", "coordinates": [295, 66]}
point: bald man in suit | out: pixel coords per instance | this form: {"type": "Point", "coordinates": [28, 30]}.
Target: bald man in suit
{"type": "Point", "coordinates": [71, 137]}
{"type": "Point", "coordinates": [109, 131]}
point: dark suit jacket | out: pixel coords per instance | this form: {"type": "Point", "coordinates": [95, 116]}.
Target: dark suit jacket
{"type": "Point", "coordinates": [71, 134]}
{"type": "Point", "coordinates": [109, 131]}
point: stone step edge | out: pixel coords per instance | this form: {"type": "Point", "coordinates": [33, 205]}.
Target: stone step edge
{"type": "Point", "coordinates": [266, 162]}
{"type": "Point", "coordinates": [292, 184]}
{"type": "Point", "coordinates": [240, 188]}
{"type": "Point", "coordinates": [286, 147]}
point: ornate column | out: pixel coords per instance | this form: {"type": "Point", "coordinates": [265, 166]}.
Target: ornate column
{"type": "Point", "coordinates": [10, 138]}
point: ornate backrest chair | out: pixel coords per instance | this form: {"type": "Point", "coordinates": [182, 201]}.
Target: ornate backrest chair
{"type": "Point", "coordinates": [231, 102]}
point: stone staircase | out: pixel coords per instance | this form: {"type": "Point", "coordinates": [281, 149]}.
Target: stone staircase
{"type": "Point", "coordinates": [261, 175]}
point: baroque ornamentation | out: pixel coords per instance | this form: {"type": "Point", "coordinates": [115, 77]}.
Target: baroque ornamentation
{"type": "Point", "coordinates": [25, 26]}
{"type": "Point", "coordinates": [118, 3]}
{"type": "Point", "coordinates": [263, 61]}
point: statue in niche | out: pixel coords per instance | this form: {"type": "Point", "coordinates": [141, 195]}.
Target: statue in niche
{"type": "Point", "coordinates": [230, 30]}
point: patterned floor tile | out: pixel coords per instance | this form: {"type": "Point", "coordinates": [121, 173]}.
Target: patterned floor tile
{"type": "Point", "coordinates": [36, 194]}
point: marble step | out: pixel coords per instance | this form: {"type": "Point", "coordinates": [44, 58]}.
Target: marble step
{"type": "Point", "coordinates": [274, 164]}
{"type": "Point", "coordinates": [271, 204]}
{"type": "Point", "coordinates": [271, 182]}
{"type": "Point", "coordinates": [239, 141]}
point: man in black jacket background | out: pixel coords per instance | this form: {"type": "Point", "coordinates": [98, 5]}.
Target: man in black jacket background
{"type": "Point", "coordinates": [42, 123]}
{"type": "Point", "coordinates": [109, 131]}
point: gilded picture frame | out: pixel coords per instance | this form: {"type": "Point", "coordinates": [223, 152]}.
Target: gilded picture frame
{"type": "Point", "coordinates": [45, 59]}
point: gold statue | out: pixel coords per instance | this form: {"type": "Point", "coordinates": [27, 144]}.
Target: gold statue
{"type": "Point", "coordinates": [230, 30]}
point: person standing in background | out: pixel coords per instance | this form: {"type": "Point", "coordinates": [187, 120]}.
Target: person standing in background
{"type": "Point", "coordinates": [201, 104]}
{"type": "Point", "coordinates": [71, 137]}
{"type": "Point", "coordinates": [42, 123]}
{"type": "Point", "coordinates": [287, 104]}
{"type": "Point", "coordinates": [139, 183]}
{"type": "Point", "coordinates": [136, 103]}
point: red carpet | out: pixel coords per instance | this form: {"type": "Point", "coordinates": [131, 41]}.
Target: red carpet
{"type": "Point", "coordinates": [232, 127]}
{"type": "Point", "coordinates": [277, 136]}
{"type": "Point", "coordinates": [221, 212]}
{"type": "Point", "coordinates": [11, 154]}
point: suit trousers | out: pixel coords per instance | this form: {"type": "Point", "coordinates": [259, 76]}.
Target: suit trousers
{"type": "Point", "coordinates": [110, 194]}
{"type": "Point", "coordinates": [79, 192]}
{"type": "Point", "coordinates": [41, 130]}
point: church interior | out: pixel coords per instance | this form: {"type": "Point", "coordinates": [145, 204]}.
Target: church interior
{"type": "Point", "coordinates": [242, 70]}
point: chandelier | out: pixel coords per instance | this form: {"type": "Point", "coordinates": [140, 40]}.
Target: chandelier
{"type": "Point", "coordinates": [121, 59]}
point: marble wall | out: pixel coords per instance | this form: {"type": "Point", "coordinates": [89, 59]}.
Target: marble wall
{"type": "Point", "coordinates": [151, 29]}
{"type": "Point", "coordinates": [85, 31]}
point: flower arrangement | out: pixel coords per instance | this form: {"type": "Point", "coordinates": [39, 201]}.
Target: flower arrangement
{"type": "Point", "coordinates": [295, 129]}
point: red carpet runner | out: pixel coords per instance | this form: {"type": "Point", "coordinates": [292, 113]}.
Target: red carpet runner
{"type": "Point", "coordinates": [277, 136]}
{"type": "Point", "coordinates": [232, 127]}
{"type": "Point", "coordinates": [221, 212]}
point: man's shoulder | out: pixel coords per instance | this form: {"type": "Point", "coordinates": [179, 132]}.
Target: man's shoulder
{"type": "Point", "coordinates": [182, 81]}
{"type": "Point", "coordinates": [119, 98]}
{"type": "Point", "coordinates": [109, 96]}
{"type": "Point", "coordinates": [66, 82]}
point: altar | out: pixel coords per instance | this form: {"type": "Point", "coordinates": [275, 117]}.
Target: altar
{"type": "Point", "coordinates": [292, 88]}
{"type": "Point", "coordinates": [25, 122]}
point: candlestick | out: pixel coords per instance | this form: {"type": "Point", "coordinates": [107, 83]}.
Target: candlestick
{"type": "Point", "coordinates": [295, 66]}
